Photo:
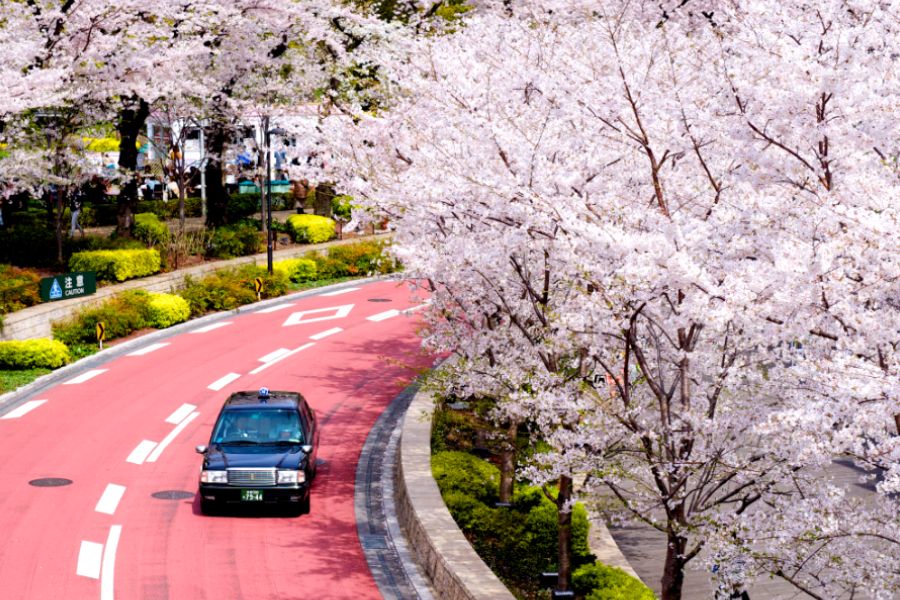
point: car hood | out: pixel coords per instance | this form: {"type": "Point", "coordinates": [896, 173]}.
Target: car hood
{"type": "Point", "coordinates": [260, 457]}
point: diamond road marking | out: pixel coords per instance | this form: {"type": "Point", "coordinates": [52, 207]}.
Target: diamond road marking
{"type": "Point", "coordinates": [299, 318]}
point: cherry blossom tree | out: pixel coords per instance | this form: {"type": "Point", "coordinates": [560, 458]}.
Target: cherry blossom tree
{"type": "Point", "coordinates": [671, 240]}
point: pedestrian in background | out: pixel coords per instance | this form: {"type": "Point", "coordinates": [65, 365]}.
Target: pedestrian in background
{"type": "Point", "coordinates": [75, 207]}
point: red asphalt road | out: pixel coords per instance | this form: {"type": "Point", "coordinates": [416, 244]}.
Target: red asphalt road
{"type": "Point", "coordinates": [167, 549]}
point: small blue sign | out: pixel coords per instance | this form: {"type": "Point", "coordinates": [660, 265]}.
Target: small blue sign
{"type": "Point", "coordinates": [55, 291]}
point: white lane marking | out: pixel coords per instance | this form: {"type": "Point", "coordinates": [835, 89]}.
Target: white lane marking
{"type": "Point", "coordinates": [172, 435]}
{"type": "Point", "coordinates": [109, 501]}
{"type": "Point", "coordinates": [148, 349]}
{"type": "Point", "coordinates": [180, 413]}
{"type": "Point", "coordinates": [273, 355]}
{"type": "Point", "coordinates": [85, 376]}
{"type": "Point", "coordinates": [218, 384]}
{"type": "Point", "coordinates": [339, 292]}
{"type": "Point", "coordinates": [278, 307]}
{"type": "Point", "coordinates": [385, 315]}
{"type": "Point", "coordinates": [89, 558]}
{"type": "Point", "coordinates": [325, 334]}
{"type": "Point", "coordinates": [260, 368]}
{"type": "Point", "coordinates": [209, 328]}
{"type": "Point", "coordinates": [410, 311]}
{"type": "Point", "coordinates": [298, 318]}
{"type": "Point", "coordinates": [108, 569]}
{"type": "Point", "coordinates": [139, 454]}
{"type": "Point", "coordinates": [23, 410]}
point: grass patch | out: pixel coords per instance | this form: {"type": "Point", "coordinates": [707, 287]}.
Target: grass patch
{"type": "Point", "coordinates": [14, 379]}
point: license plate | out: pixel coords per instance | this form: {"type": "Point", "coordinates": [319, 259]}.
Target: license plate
{"type": "Point", "coordinates": [251, 495]}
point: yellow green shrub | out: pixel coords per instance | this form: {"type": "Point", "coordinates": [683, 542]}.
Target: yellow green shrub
{"type": "Point", "coordinates": [312, 229]}
{"type": "Point", "coordinates": [297, 269]}
{"type": "Point", "coordinates": [29, 354]}
{"type": "Point", "coordinates": [117, 265]}
{"type": "Point", "coordinates": [165, 310]}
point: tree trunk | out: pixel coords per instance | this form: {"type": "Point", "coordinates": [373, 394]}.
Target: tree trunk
{"type": "Point", "coordinates": [216, 194]}
{"type": "Point", "coordinates": [58, 200]}
{"type": "Point", "coordinates": [324, 194]}
{"type": "Point", "coordinates": [673, 571]}
{"type": "Point", "coordinates": [508, 463]}
{"type": "Point", "coordinates": [564, 519]}
{"type": "Point", "coordinates": [131, 123]}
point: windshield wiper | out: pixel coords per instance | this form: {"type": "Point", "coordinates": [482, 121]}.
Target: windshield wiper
{"type": "Point", "coordinates": [282, 442]}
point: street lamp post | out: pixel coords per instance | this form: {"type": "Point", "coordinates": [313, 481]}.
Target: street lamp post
{"type": "Point", "coordinates": [269, 236]}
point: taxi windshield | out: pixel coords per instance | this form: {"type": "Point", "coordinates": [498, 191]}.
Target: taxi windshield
{"type": "Point", "coordinates": [258, 426]}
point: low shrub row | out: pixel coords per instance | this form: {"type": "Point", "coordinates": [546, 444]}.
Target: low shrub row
{"type": "Point", "coordinates": [310, 229]}
{"type": "Point", "coordinates": [117, 265]}
{"type": "Point", "coordinates": [30, 354]}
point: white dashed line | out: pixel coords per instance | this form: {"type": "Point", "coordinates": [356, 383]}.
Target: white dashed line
{"type": "Point", "coordinates": [139, 454]}
{"type": "Point", "coordinates": [410, 311]}
{"type": "Point", "coordinates": [89, 559]}
{"type": "Point", "coordinates": [23, 410]}
{"type": "Point", "coordinates": [109, 501]}
{"type": "Point", "coordinates": [273, 355]}
{"type": "Point", "coordinates": [339, 292]}
{"type": "Point", "coordinates": [108, 570]}
{"type": "Point", "coordinates": [276, 308]}
{"type": "Point", "coordinates": [385, 315]}
{"type": "Point", "coordinates": [299, 318]}
{"type": "Point", "coordinates": [148, 349]}
{"type": "Point", "coordinates": [178, 416]}
{"type": "Point", "coordinates": [218, 384]}
{"type": "Point", "coordinates": [209, 328]}
{"type": "Point", "coordinates": [264, 366]}
{"type": "Point", "coordinates": [85, 376]}
{"type": "Point", "coordinates": [325, 334]}
{"type": "Point", "coordinates": [172, 435]}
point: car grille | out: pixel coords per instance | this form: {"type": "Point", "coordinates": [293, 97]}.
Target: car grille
{"type": "Point", "coordinates": [251, 477]}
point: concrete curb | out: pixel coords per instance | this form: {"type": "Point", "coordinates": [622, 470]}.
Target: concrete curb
{"type": "Point", "coordinates": [35, 321]}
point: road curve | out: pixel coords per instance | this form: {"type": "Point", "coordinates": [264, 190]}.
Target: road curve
{"type": "Point", "coordinates": [124, 429]}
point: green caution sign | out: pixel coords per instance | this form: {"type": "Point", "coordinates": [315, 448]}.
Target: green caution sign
{"type": "Point", "coordinates": [68, 285]}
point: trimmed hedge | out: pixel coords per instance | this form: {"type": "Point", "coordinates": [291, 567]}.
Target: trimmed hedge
{"type": "Point", "coordinates": [117, 265]}
{"type": "Point", "coordinates": [149, 229]}
{"type": "Point", "coordinates": [297, 269]}
{"type": "Point", "coordinates": [30, 354]}
{"type": "Point", "coordinates": [121, 315]}
{"type": "Point", "coordinates": [310, 229]}
{"type": "Point", "coordinates": [242, 239]}
{"type": "Point", "coordinates": [165, 310]}
{"type": "Point", "coordinates": [363, 258]}
{"type": "Point", "coordinates": [602, 582]}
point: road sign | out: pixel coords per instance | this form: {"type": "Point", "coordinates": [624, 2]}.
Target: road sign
{"type": "Point", "coordinates": [258, 282]}
{"type": "Point", "coordinates": [68, 285]}
{"type": "Point", "coordinates": [101, 331]}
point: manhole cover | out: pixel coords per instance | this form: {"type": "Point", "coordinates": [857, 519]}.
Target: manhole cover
{"type": "Point", "coordinates": [379, 299]}
{"type": "Point", "coordinates": [172, 495]}
{"type": "Point", "coordinates": [50, 482]}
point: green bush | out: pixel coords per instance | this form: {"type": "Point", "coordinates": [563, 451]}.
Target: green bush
{"type": "Point", "coordinates": [19, 288]}
{"type": "Point", "coordinates": [341, 206]}
{"type": "Point", "coordinates": [227, 289]}
{"type": "Point", "coordinates": [28, 245]}
{"type": "Point", "coordinates": [466, 473]}
{"type": "Point", "coordinates": [117, 265]}
{"type": "Point", "coordinates": [297, 269]}
{"type": "Point", "coordinates": [242, 239]}
{"type": "Point", "coordinates": [241, 206]}
{"type": "Point", "coordinates": [597, 581]}
{"type": "Point", "coordinates": [362, 258]}
{"type": "Point", "coordinates": [310, 229]}
{"type": "Point", "coordinates": [150, 230]}
{"type": "Point", "coordinates": [165, 310]}
{"type": "Point", "coordinates": [121, 315]}
{"type": "Point", "coordinates": [29, 354]}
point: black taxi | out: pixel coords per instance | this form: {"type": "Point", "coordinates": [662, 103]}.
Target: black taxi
{"type": "Point", "coordinates": [262, 451]}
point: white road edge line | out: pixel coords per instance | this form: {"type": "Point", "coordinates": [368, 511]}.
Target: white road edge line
{"type": "Point", "coordinates": [180, 413]}
{"type": "Point", "coordinates": [273, 355]}
{"type": "Point", "coordinates": [325, 334]}
{"type": "Point", "coordinates": [339, 292]}
{"type": "Point", "coordinates": [85, 376]}
{"type": "Point", "coordinates": [109, 501]}
{"type": "Point", "coordinates": [209, 328]}
{"type": "Point", "coordinates": [89, 559]}
{"type": "Point", "coordinates": [172, 435]}
{"type": "Point", "coordinates": [148, 349]}
{"type": "Point", "coordinates": [385, 315]}
{"type": "Point", "coordinates": [275, 308]}
{"type": "Point", "coordinates": [108, 570]}
{"type": "Point", "coordinates": [260, 368]}
{"type": "Point", "coordinates": [218, 384]}
{"type": "Point", "coordinates": [23, 410]}
{"type": "Point", "coordinates": [139, 454]}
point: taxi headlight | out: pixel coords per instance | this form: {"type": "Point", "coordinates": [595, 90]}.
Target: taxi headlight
{"type": "Point", "coordinates": [291, 477]}
{"type": "Point", "coordinates": [213, 477]}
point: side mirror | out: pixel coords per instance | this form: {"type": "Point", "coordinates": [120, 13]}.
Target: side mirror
{"type": "Point", "coordinates": [201, 449]}
{"type": "Point", "coordinates": [306, 449]}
